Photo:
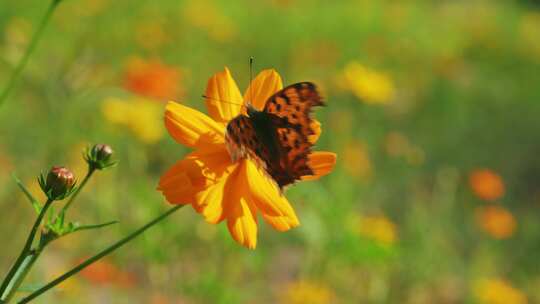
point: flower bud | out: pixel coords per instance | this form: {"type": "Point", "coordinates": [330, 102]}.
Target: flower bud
{"type": "Point", "coordinates": [58, 184]}
{"type": "Point", "coordinates": [99, 156]}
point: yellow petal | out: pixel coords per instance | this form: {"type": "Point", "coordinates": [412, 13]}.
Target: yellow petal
{"type": "Point", "coordinates": [224, 99]}
{"type": "Point", "coordinates": [316, 126]}
{"type": "Point", "coordinates": [267, 197]}
{"type": "Point", "coordinates": [191, 127]}
{"type": "Point", "coordinates": [176, 186]}
{"type": "Point", "coordinates": [221, 174]}
{"type": "Point", "coordinates": [185, 181]}
{"type": "Point", "coordinates": [211, 200]}
{"type": "Point", "coordinates": [322, 163]}
{"type": "Point", "coordinates": [281, 223]}
{"type": "Point", "coordinates": [242, 223]}
{"type": "Point", "coordinates": [262, 87]}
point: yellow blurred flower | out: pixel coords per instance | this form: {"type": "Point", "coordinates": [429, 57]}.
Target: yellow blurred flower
{"type": "Point", "coordinates": [151, 34]}
{"type": "Point", "coordinates": [496, 221]}
{"type": "Point", "coordinates": [71, 287]}
{"type": "Point", "coordinates": [356, 160]}
{"type": "Point", "coordinates": [6, 163]}
{"type": "Point", "coordinates": [397, 145]}
{"type": "Point", "coordinates": [529, 31]}
{"type": "Point", "coordinates": [205, 15]}
{"type": "Point", "coordinates": [302, 292]}
{"type": "Point", "coordinates": [498, 291]}
{"type": "Point", "coordinates": [377, 228]}
{"type": "Point", "coordinates": [369, 85]}
{"type": "Point", "coordinates": [153, 79]}
{"type": "Point", "coordinates": [210, 181]}
{"type": "Point", "coordinates": [140, 116]}
{"type": "Point", "coordinates": [17, 33]}
{"type": "Point", "coordinates": [486, 184]}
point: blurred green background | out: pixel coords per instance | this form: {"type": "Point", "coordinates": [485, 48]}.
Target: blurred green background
{"type": "Point", "coordinates": [433, 109]}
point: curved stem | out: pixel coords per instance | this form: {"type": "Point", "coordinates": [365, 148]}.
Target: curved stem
{"type": "Point", "coordinates": [98, 256]}
{"type": "Point", "coordinates": [22, 63]}
{"type": "Point", "coordinates": [24, 252]}
{"type": "Point", "coordinates": [91, 170]}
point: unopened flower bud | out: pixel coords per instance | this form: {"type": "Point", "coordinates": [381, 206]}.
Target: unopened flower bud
{"type": "Point", "coordinates": [58, 184]}
{"type": "Point", "coordinates": [103, 152]}
{"type": "Point", "coordinates": [99, 156]}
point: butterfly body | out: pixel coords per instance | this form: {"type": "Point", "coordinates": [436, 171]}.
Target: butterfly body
{"type": "Point", "coordinates": [276, 138]}
{"type": "Point", "coordinates": [266, 132]}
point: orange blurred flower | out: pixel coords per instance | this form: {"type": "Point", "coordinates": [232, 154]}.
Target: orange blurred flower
{"type": "Point", "coordinates": [301, 292]}
{"type": "Point", "coordinates": [486, 184]}
{"type": "Point", "coordinates": [497, 291]}
{"type": "Point", "coordinates": [152, 78]}
{"type": "Point", "coordinates": [496, 221]}
{"type": "Point", "coordinates": [207, 178]}
{"type": "Point", "coordinates": [103, 272]}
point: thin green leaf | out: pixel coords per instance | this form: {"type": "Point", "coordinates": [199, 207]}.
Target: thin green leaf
{"type": "Point", "coordinates": [89, 227]}
{"type": "Point", "coordinates": [27, 193]}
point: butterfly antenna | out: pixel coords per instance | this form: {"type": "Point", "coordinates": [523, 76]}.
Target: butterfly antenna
{"type": "Point", "coordinates": [224, 101]}
{"type": "Point", "coordinates": [250, 79]}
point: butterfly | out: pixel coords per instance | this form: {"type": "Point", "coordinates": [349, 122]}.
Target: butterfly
{"type": "Point", "coordinates": [276, 138]}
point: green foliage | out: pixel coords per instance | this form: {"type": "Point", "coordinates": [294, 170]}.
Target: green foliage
{"type": "Point", "coordinates": [465, 76]}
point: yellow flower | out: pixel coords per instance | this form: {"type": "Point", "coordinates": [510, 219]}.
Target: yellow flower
{"type": "Point", "coordinates": [151, 34]}
{"type": "Point", "coordinates": [529, 31]}
{"type": "Point", "coordinates": [205, 15]}
{"type": "Point", "coordinates": [377, 228]}
{"type": "Point", "coordinates": [139, 115]}
{"type": "Point", "coordinates": [207, 178]}
{"type": "Point", "coordinates": [356, 156]}
{"type": "Point", "coordinates": [398, 145]}
{"type": "Point", "coordinates": [486, 184]}
{"type": "Point", "coordinates": [369, 85]}
{"type": "Point", "coordinates": [496, 221]}
{"type": "Point", "coordinates": [497, 291]}
{"type": "Point", "coordinates": [307, 292]}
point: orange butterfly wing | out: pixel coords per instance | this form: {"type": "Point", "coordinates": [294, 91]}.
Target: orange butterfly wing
{"type": "Point", "coordinates": [294, 105]}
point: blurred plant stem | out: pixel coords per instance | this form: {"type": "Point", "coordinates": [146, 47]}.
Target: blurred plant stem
{"type": "Point", "coordinates": [91, 171]}
{"type": "Point", "coordinates": [98, 256]}
{"type": "Point", "coordinates": [24, 60]}
{"type": "Point", "coordinates": [20, 268]}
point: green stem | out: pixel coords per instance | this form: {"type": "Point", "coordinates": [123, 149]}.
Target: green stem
{"type": "Point", "coordinates": [21, 274]}
{"type": "Point", "coordinates": [24, 252]}
{"type": "Point", "coordinates": [98, 256]}
{"type": "Point", "coordinates": [24, 60]}
{"type": "Point", "coordinates": [91, 170]}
